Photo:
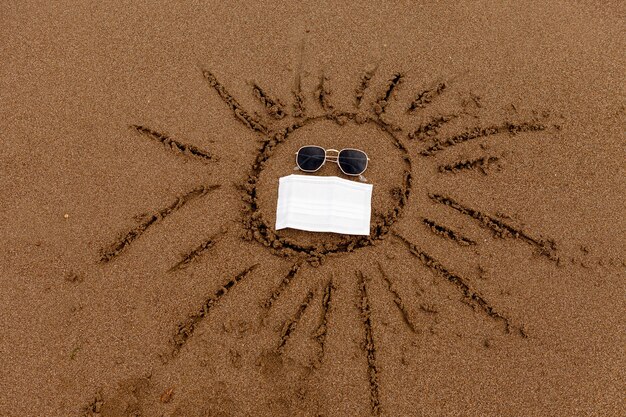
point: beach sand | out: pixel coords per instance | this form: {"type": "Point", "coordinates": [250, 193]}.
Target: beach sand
{"type": "Point", "coordinates": [141, 148]}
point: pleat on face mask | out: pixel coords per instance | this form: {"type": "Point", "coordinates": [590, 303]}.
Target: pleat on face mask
{"type": "Point", "coordinates": [324, 204]}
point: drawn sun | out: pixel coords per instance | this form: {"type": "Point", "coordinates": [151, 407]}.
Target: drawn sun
{"type": "Point", "coordinates": [399, 150]}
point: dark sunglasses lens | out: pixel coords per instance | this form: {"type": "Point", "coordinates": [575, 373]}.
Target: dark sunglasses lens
{"type": "Point", "coordinates": [311, 158]}
{"type": "Point", "coordinates": [352, 162]}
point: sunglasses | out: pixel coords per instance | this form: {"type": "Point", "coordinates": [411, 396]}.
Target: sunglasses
{"type": "Point", "coordinates": [350, 161]}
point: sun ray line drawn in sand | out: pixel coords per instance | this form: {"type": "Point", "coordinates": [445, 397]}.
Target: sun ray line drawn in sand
{"type": "Point", "coordinates": [282, 286]}
{"type": "Point", "coordinates": [273, 106]}
{"type": "Point", "coordinates": [383, 100]}
{"type": "Point", "coordinates": [323, 94]}
{"type": "Point", "coordinates": [186, 329]}
{"type": "Point", "coordinates": [397, 300]}
{"type": "Point", "coordinates": [414, 147]}
{"type": "Point", "coordinates": [298, 96]}
{"type": "Point", "coordinates": [431, 128]}
{"type": "Point", "coordinates": [364, 84]}
{"type": "Point", "coordinates": [290, 325]}
{"type": "Point", "coordinates": [482, 132]}
{"type": "Point", "coordinates": [194, 254]}
{"type": "Point", "coordinates": [499, 228]}
{"type": "Point", "coordinates": [447, 233]}
{"type": "Point", "coordinates": [175, 145]}
{"type": "Point", "coordinates": [122, 243]}
{"type": "Point", "coordinates": [252, 122]}
{"type": "Point", "coordinates": [321, 330]}
{"type": "Point", "coordinates": [482, 164]}
{"type": "Point", "coordinates": [365, 311]}
{"type": "Point", "coordinates": [425, 97]}
{"type": "Point", "coordinates": [473, 298]}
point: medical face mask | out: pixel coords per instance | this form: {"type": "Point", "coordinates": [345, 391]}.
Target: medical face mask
{"type": "Point", "coordinates": [324, 204]}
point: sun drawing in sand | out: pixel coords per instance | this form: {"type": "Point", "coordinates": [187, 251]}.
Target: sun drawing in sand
{"type": "Point", "coordinates": [408, 146]}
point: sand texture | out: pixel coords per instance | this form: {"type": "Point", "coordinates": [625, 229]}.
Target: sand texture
{"type": "Point", "coordinates": [141, 146]}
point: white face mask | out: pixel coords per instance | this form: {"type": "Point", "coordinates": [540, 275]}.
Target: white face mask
{"type": "Point", "coordinates": [324, 204]}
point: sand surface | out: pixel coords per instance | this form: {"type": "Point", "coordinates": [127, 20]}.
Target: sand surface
{"type": "Point", "coordinates": [141, 146]}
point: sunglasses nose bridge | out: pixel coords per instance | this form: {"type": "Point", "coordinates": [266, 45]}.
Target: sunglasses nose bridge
{"type": "Point", "coordinates": [332, 155]}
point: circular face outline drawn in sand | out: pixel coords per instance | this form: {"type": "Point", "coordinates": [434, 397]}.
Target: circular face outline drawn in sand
{"type": "Point", "coordinates": [259, 229]}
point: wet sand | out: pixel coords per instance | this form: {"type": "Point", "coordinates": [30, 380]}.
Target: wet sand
{"type": "Point", "coordinates": [141, 150]}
